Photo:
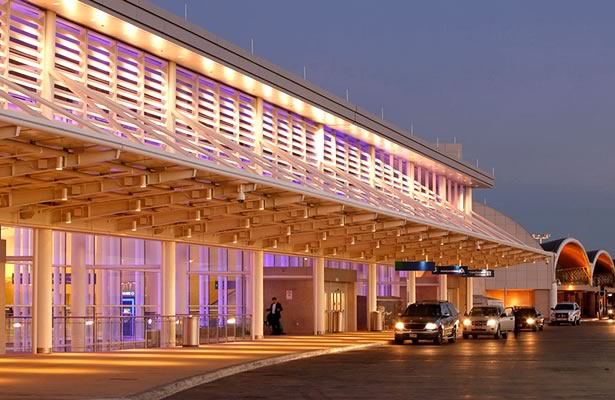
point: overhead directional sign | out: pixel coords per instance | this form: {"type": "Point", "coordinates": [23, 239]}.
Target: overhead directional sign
{"type": "Point", "coordinates": [479, 273]}
{"type": "Point", "coordinates": [464, 271]}
{"type": "Point", "coordinates": [449, 270]}
{"type": "Point", "coordinates": [414, 265]}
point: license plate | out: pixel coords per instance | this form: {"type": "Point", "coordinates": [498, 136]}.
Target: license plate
{"type": "Point", "coordinates": [412, 335]}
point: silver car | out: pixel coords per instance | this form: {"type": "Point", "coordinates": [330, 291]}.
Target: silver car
{"type": "Point", "coordinates": [490, 321]}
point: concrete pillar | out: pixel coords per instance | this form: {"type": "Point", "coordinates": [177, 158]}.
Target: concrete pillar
{"type": "Point", "coordinates": [167, 278]}
{"type": "Point", "coordinates": [79, 287]}
{"type": "Point", "coordinates": [372, 298]}
{"type": "Point", "coordinates": [42, 309]}
{"type": "Point", "coordinates": [443, 288]}
{"type": "Point", "coordinates": [411, 287]}
{"type": "Point", "coordinates": [469, 294]}
{"type": "Point", "coordinates": [553, 295]}
{"type": "Point", "coordinates": [258, 305]}
{"type": "Point", "coordinates": [318, 283]}
{"type": "Point", "coordinates": [2, 298]}
{"type": "Point", "coordinates": [183, 259]}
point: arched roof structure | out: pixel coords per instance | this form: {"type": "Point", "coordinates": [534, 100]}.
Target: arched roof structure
{"type": "Point", "coordinates": [603, 268]}
{"type": "Point", "coordinates": [572, 264]}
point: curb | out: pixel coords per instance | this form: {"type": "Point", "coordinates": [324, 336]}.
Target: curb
{"type": "Point", "coordinates": [160, 392]}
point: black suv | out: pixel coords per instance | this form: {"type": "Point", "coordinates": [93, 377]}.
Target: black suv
{"type": "Point", "coordinates": [528, 318]}
{"type": "Point", "coordinates": [428, 320]}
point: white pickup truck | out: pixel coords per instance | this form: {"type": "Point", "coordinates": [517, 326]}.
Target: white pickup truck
{"type": "Point", "coordinates": [489, 320]}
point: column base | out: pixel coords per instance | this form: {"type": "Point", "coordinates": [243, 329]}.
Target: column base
{"type": "Point", "coordinates": [257, 337]}
{"type": "Point", "coordinates": [43, 350]}
{"type": "Point", "coordinates": [320, 333]}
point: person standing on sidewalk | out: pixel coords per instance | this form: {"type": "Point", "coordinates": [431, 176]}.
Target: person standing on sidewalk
{"type": "Point", "coordinates": [274, 316]}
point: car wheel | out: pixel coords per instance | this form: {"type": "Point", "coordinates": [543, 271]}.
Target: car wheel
{"type": "Point", "coordinates": [440, 338]}
{"type": "Point", "coordinates": [453, 337]}
{"type": "Point", "coordinates": [466, 336]}
{"type": "Point", "coordinates": [399, 341]}
{"type": "Point", "coordinates": [505, 334]}
{"type": "Point", "coordinates": [498, 334]}
{"type": "Point", "coordinates": [578, 321]}
{"type": "Point", "coordinates": [415, 341]}
{"type": "Point", "coordinates": [542, 327]}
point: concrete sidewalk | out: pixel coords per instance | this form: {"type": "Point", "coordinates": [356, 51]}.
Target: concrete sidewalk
{"type": "Point", "coordinates": [152, 373]}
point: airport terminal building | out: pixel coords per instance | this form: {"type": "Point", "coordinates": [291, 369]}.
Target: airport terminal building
{"type": "Point", "coordinates": [153, 175]}
{"type": "Point", "coordinates": [570, 274]}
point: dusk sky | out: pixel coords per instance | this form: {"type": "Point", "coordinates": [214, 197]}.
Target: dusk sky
{"type": "Point", "coordinates": [528, 87]}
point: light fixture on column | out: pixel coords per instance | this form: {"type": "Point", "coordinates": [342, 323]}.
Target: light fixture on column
{"type": "Point", "coordinates": [420, 238]}
{"type": "Point", "coordinates": [143, 181]}
{"type": "Point", "coordinates": [246, 223]}
{"type": "Point", "coordinates": [198, 215]}
{"type": "Point", "coordinates": [306, 213]}
{"type": "Point", "coordinates": [324, 236]}
{"type": "Point", "coordinates": [362, 255]}
{"type": "Point", "coordinates": [64, 194]}
{"type": "Point", "coordinates": [524, 259]}
{"type": "Point", "coordinates": [353, 240]}
{"type": "Point", "coordinates": [241, 196]}
{"type": "Point", "coordinates": [289, 231]}
{"type": "Point", "coordinates": [307, 248]}
{"type": "Point", "coordinates": [334, 252]}
{"type": "Point", "coordinates": [441, 255]}
{"type": "Point", "coordinates": [134, 226]}
{"type": "Point", "coordinates": [189, 233]}
{"type": "Point", "coordinates": [460, 245]}
{"type": "Point", "coordinates": [235, 239]}
{"type": "Point", "coordinates": [423, 252]}
{"type": "Point", "coordinates": [403, 248]}
{"type": "Point", "coordinates": [68, 218]}
{"type": "Point", "coordinates": [343, 220]}
{"type": "Point", "coordinates": [373, 227]}
{"type": "Point", "coordinates": [59, 163]}
{"type": "Point", "coordinates": [209, 194]}
{"type": "Point", "coordinates": [442, 242]}
{"type": "Point", "coordinates": [261, 204]}
{"type": "Point", "coordinates": [275, 243]}
{"type": "Point", "coordinates": [378, 244]}
{"type": "Point", "coordinates": [138, 206]}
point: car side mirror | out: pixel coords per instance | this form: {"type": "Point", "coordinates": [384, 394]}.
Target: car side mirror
{"type": "Point", "coordinates": [552, 309]}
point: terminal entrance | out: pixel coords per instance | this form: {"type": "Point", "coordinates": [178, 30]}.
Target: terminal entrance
{"type": "Point", "coordinates": [336, 295]}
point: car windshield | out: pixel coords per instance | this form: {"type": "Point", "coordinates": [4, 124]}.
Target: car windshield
{"type": "Point", "coordinates": [484, 312]}
{"type": "Point", "coordinates": [422, 310]}
{"type": "Point", "coordinates": [564, 307]}
{"type": "Point", "coordinates": [526, 312]}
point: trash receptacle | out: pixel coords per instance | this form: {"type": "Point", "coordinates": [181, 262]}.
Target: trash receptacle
{"type": "Point", "coordinates": [376, 321]}
{"type": "Point", "coordinates": [191, 331]}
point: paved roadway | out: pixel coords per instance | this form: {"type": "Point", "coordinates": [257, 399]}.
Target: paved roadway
{"type": "Point", "coordinates": [564, 362]}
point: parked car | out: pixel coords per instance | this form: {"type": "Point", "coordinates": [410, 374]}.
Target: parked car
{"type": "Point", "coordinates": [428, 320]}
{"type": "Point", "coordinates": [529, 318]}
{"type": "Point", "coordinates": [610, 312]}
{"type": "Point", "coordinates": [488, 320]}
{"type": "Point", "coordinates": [569, 313]}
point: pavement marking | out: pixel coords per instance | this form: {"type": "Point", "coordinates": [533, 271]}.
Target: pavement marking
{"type": "Point", "coordinates": [160, 392]}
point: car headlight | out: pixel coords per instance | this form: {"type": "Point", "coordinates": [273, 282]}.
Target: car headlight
{"type": "Point", "coordinates": [610, 311]}
{"type": "Point", "coordinates": [492, 322]}
{"type": "Point", "coordinates": [430, 326]}
{"type": "Point", "coordinates": [399, 326]}
{"type": "Point", "coordinates": [530, 321]}
{"type": "Point", "coordinates": [467, 322]}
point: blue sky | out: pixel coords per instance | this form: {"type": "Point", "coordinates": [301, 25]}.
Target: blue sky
{"type": "Point", "coordinates": [528, 87]}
